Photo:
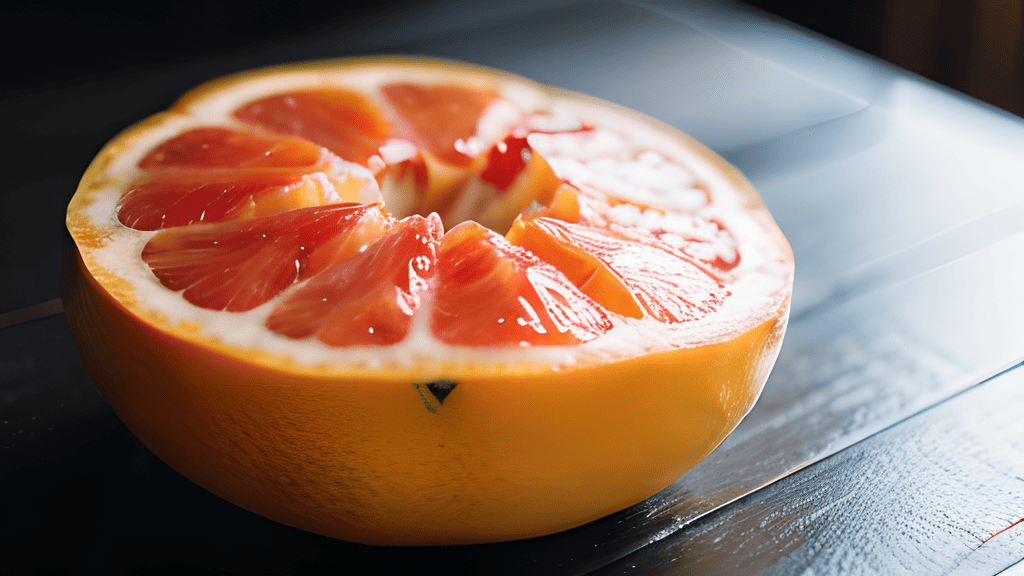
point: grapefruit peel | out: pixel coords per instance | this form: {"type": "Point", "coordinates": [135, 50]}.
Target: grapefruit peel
{"type": "Point", "coordinates": [442, 431]}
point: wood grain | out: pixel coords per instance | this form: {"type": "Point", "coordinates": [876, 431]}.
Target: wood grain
{"type": "Point", "coordinates": [941, 493]}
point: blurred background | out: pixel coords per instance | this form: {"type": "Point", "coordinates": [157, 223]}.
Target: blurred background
{"type": "Point", "coordinates": [973, 46]}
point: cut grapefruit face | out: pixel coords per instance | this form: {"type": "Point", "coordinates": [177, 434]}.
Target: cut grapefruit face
{"type": "Point", "coordinates": [407, 301]}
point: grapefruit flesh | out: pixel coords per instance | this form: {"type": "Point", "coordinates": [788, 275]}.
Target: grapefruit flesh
{"type": "Point", "coordinates": [211, 175]}
{"type": "Point", "coordinates": [370, 298]}
{"type": "Point", "coordinates": [239, 265]}
{"type": "Point", "coordinates": [401, 301]}
{"type": "Point", "coordinates": [634, 279]}
{"type": "Point", "coordinates": [441, 119]}
{"type": "Point", "coordinates": [343, 121]}
{"type": "Point", "coordinates": [506, 160]}
{"type": "Point", "coordinates": [493, 293]}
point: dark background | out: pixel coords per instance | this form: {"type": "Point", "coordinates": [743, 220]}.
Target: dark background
{"type": "Point", "coordinates": [972, 46]}
{"type": "Point", "coordinates": [51, 43]}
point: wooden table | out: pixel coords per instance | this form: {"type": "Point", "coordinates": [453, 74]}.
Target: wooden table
{"type": "Point", "coordinates": [889, 438]}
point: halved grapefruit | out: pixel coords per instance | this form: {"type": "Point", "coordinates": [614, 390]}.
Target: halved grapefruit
{"type": "Point", "coordinates": [407, 301]}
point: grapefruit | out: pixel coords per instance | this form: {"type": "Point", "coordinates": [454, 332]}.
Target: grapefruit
{"type": "Point", "coordinates": [409, 301]}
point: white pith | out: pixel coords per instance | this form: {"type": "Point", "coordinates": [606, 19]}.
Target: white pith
{"type": "Point", "coordinates": [758, 290]}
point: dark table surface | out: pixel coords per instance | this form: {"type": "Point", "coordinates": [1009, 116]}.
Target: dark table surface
{"type": "Point", "coordinates": [889, 438]}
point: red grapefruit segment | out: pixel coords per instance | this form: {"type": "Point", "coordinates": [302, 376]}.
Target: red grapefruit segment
{"type": "Point", "coordinates": [441, 119]}
{"type": "Point", "coordinates": [506, 160]}
{"type": "Point", "coordinates": [345, 122]}
{"type": "Point", "coordinates": [546, 238]}
{"type": "Point", "coordinates": [237, 266]}
{"type": "Point", "coordinates": [215, 147]}
{"type": "Point", "coordinates": [369, 299]}
{"type": "Point", "coordinates": [608, 267]}
{"type": "Point", "coordinates": [167, 202]}
{"type": "Point", "coordinates": [216, 174]}
{"type": "Point", "coordinates": [492, 293]}
{"type": "Point", "coordinates": [706, 242]}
